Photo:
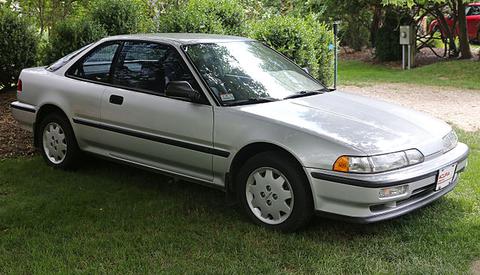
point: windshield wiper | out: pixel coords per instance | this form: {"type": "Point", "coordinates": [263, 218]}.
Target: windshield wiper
{"type": "Point", "coordinates": [251, 101]}
{"type": "Point", "coordinates": [306, 93]}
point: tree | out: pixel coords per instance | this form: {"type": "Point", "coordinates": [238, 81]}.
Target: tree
{"type": "Point", "coordinates": [360, 19]}
{"type": "Point", "coordinates": [437, 9]}
{"type": "Point", "coordinates": [463, 36]}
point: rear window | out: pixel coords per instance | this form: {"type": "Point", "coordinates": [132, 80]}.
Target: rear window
{"type": "Point", "coordinates": [64, 60]}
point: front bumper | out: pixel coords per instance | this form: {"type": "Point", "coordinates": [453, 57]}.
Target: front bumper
{"type": "Point", "coordinates": [355, 197]}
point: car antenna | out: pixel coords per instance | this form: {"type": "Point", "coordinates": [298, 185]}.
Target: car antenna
{"type": "Point", "coordinates": [335, 53]}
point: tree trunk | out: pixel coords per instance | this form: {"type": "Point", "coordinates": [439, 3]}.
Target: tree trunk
{"type": "Point", "coordinates": [462, 31]}
{"type": "Point", "coordinates": [377, 16]}
{"type": "Point", "coordinates": [447, 31]}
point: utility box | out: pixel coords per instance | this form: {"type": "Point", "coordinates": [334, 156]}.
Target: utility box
{"type": "Point", "coordinates": [408, 39]}
{"type": "Point", "coordinates": [407, 35]}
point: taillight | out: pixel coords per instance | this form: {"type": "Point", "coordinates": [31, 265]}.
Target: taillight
{"type": "Point", "coordinates": [19, 85]}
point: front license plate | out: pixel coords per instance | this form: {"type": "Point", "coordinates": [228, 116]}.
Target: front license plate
{"type": "Point", "coordinates": [445, 176]}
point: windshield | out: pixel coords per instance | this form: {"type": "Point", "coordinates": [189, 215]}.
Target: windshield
{"type": "Point", "coordinates": [64, 60]}
{"type": "Point", "coordinates": [467, 10]}
{"type": "Point", "coordinates": [249, 72]}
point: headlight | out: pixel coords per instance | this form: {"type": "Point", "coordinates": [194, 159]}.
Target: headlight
{"type": "Point", "coordinates": [378, 163]}
{"type": "Point", "coordinates": [450, 141]}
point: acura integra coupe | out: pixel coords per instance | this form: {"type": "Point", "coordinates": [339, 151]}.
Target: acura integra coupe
{"type": "Point", "coordinates": [234, 114]}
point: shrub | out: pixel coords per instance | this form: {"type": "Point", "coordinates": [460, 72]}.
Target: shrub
{"type": "Point", "coordinates": [18, 47]}
{"type": "Point", "coordinates": [120, 16]}
{"type": "Point", "coordinates": [204, 16]}
{"type": "Point", "coordinates": [102, 18]}
{"type": "Point", "coordinates": [387, 45]}
{"type": "Point", "coordinates": [306, 41]}
{"type": "Point", "coordinates": [70, 35]}
{"type": "Point", "coordinates": [355, 34]}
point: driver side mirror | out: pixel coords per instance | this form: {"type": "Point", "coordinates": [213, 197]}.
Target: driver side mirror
{"type": "Point", "coordinates": [183, 90]}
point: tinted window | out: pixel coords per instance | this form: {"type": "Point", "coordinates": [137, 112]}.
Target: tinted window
{"type": "Point", "coordinates": [64, 60]}
{"type": "Point", "coordinates": [96, 65]}
{"type": "Point", "coordinates": [239, 72]}
{"type": "Point", "coordinates": [474, 10]}
{"type": "Point", "coordinates": [149, 66]}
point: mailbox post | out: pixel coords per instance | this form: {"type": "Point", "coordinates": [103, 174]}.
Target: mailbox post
{"type": "Point", "coordinates": [407, 40]}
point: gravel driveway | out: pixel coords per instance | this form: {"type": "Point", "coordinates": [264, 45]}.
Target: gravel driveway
{"type": "Point", "coordinates": [456, 106]}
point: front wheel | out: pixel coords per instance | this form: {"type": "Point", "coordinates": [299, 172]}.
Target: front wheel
{"type": "Point", "coordinates": [274, 192]}
{"type": "Point", "coordinates": [57, 141]}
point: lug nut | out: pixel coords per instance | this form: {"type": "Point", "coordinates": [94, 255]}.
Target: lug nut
{"type": "Point", "coordinates": [269, 202]}
{"type": "Point", "coordinates": [262, 194]}
{"type": "Point", "coordinates": [275, 196]}
{"type": "Point", "coordinates": [269, 188]}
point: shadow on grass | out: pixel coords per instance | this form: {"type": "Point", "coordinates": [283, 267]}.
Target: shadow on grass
{"type": "Point", "coordinates": [111, 215]}
{"type": "Point", "coordinates": [196, 196]}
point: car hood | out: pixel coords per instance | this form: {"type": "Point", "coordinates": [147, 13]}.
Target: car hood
{"type": "Point", "coordinates": [365, 124]}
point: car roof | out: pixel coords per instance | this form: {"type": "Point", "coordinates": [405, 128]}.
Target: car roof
{"type": "Point", "coordinates": [180, 38]}
{"type": "Point", "coordinates": [474, 4]}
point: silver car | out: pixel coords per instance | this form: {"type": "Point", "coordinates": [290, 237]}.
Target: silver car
{"type": "Point", "coordinates": [234, 114]}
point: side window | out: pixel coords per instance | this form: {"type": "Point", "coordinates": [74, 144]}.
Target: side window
{"type": "Point", "coordinates": [149, 66]}
{"type": "Point", "coordinates": [96, 65]}
{"type": "Point", "coordinates": [475, 10]}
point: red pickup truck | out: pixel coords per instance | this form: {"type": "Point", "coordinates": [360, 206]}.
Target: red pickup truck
{"type": "Point", "coordinates": [472, 11]}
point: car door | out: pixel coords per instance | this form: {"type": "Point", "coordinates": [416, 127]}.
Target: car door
{"type": "Point", "coordinates": [84, 87]}
{"type": "Point", "coordinates": [473, 22]}
{"type": "Point", "coordinates": [146, 127]}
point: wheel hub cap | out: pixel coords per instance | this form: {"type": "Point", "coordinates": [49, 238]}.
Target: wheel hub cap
{"type": "Point", "coordinates": [269, 195]}
{"type": "Point", "coordinates": [54, 142]}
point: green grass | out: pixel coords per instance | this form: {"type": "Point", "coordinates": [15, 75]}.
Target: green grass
{"type": "Point", "coordinates": [111, 218]}
{"type": "Point", "coordinates": [458, 74]}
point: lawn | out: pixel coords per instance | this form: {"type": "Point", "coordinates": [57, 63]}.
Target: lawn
{"type": "Point", "coordinates": [458, 74]}
{"type": "Point", "coordinates": [106, 217]}
{"type": "Point", "coordinates": [109, 218]}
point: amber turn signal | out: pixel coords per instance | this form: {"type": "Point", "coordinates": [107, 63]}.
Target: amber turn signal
{"type": "Point", "coordinates": [341, 164]}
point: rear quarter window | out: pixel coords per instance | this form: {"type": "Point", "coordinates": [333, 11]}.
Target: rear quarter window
{"type": "Point", "coordinates": [64, 60]}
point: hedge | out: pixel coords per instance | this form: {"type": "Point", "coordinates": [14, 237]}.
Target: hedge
{"type": "Point", "coordinates": [102, 18]}
{"type": "Point", "coordinates": [204, 16]}
{"type": "Point", "coordinates": [18, 47]}
{"type": "Point", "coordinates": [306, 41]}
{"type": "Point", "coordinates": [121, 16]}
{"type": "Point", "coordinates": [70, 35]}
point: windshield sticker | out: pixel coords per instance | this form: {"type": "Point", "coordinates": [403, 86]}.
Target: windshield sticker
{"type": "Point", "coordinates": [227, 97]}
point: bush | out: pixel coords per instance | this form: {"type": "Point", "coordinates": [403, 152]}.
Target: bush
{"type": "Point", "coordinates": [306, 41]}
{"type": "Point", "coordinates": [204, 16]}
{"type": "Point", "coordinates": [355, 34]}
{"type": "Point", "coordinates": [18, 47]}
{"type": "Point", "coordinates": [387, 45]}
{"type": "Point", "coordinates": [70, 35]}
{"type": "Point", "coordinates": [121, 16]}
{"type": "Point", "coordinates": [102, 18]}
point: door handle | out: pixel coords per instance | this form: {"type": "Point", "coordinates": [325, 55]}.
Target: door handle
{"type": "Point", "coordinates": [116, 99]}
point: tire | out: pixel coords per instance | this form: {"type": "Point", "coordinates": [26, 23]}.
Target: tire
{"type": "Point", "coordinates": [274, 192]}
{"type": "Point", "coordinates": [57, 142]}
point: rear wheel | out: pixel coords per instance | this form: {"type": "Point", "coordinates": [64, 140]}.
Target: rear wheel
{"type": "Point", "coordinates": [274, 192]}
{"type": "Point", "coordinates": [57, 141]}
